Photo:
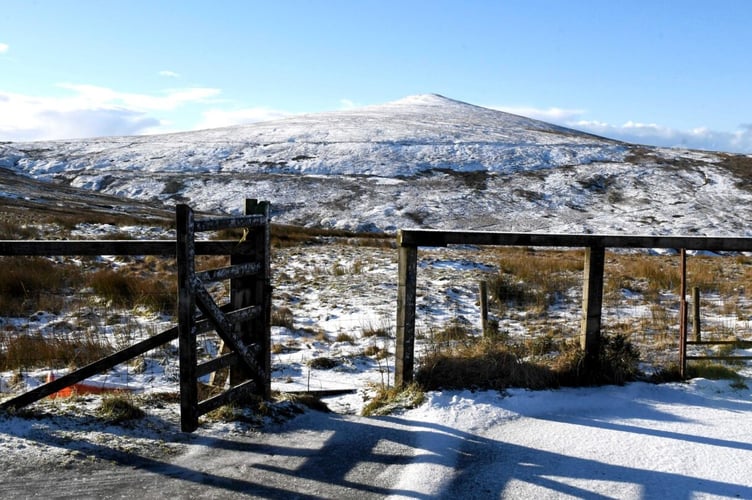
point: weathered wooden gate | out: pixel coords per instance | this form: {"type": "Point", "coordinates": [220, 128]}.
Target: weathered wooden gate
{"type": "Point", "coordinates": [243, 325]}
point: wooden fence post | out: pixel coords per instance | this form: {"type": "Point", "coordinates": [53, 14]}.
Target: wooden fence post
{"type": "Point", "coordinates": [683, 313]}
{"type": "Point", "coordinates": [406, 290]}
{"type": "Point", "coordinates": [185, 253]}
{"type": "Point", "coordinates": [592, 300]}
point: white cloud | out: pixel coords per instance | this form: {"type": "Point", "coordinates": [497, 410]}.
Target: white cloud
{"type": "Point", "coordinates": [739, 141]}
{"type": "Point", "coordinates": [169, 74]}
{"type": "Point", "coordinates": [549, 115]}
{"type": "Point", "coordinates": [91, 95]}
{"type": "Point", "coordinates": [92, 111]}
{"type": "Point", "coordinates": [4, 47]}
{"type": "Point", "coordinates": [215, 118]}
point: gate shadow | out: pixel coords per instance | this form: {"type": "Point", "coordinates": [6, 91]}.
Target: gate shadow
{"type": "Point", "coordinates": [319, 455]}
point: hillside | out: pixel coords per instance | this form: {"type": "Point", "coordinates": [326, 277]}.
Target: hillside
{"type": "Point", "coordinates": [425, 161]}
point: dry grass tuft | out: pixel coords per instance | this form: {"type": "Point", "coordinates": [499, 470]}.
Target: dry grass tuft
{"type": "Point", "coordinates": [119, 408]}
{"type": "Point", "coordinates": [126, 289]}
{"type": "Point", "coordinates": [479, 364]}
{"type": "Point", "coordinates": [534, 280]}
{"type": "Point", "coordinates": [283, 317]}
{"type": "Point", "coordinates": [486, 364]}
{"type": "Point", "coordinates": [25, 283]}
{"type": "Point", "coordinates": [389, 399]}
{"type": "Point", "coordinates": [34, 350]}
{"type": "Point", "coordinates": [322, 363]}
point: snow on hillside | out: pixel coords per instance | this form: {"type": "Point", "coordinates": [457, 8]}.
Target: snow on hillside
{"type": "Point", "coordinates": [402, 138]}
{"type": "Point", "coordinates": [423, 161]}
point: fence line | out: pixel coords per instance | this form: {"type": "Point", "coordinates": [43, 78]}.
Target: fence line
{"type": "Point", "coordinates": [409, 240]}
{"type": "Point", "coordinates": [163, 248]}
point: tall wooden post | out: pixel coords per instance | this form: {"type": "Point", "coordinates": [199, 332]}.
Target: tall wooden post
{"type": "Point", "coordinates": [186, 323]}
{"type": "Point", "coordinates": [683, 315]}
{"type": "Point", "coordinates": [254, 290]}
{"type": "Point", "coordinates": [406, 290]}
{"type": "Point", "coordinates": [592, 300]}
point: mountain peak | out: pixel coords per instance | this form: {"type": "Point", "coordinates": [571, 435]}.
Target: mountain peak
{"type": "Point", "coordinates": [423, 101]}
{"type": "Point", "coordinates": [426, 99]}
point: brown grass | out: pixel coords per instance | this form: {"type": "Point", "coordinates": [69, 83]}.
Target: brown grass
{"type": "Point", "coordinates": [282, 316]}
{"type": "Point", "coordinates": [25, 283]}
{"type": "Point", "coordinates": [27, 350]}
{"type": "Point", "coordinates": [479, 365]}
{"type": "Point", "coordinates": [12, 230]}
{"type": "Point", "coordinates": [649, 275]}
{"type": "Point", "coordinates": [126, 289]}
{"type": "Point", "coordinates": [485, 364]}
{"type": "Point", "coordinates": [388, 399]}
{"type": "Point", "coordinates": [533, 279]}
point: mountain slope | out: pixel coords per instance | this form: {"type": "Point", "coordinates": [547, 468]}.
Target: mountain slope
{"type": "Point", "coordinates": [422, 161]}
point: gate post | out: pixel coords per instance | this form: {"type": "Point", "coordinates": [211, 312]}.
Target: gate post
{"type": "Point", "coordinates": [683, 314]}
{"type": "Point", "coordinates": [592, 301]}
{"type": "Point", "coordinates": [255, 290]}
{"type": "Point", "coordinates": [405, 341]}
{"type": "Point", "coordinates": [186, 322]}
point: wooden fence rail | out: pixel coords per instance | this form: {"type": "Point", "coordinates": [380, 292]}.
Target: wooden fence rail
{"type": "Point", "coordinates": [164, 248]}
{"type": "Point", "coordinates": [409, 240]}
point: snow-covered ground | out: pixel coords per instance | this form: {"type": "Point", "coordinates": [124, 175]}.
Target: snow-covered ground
{"type": "Point", "coordinates": [637, 441]}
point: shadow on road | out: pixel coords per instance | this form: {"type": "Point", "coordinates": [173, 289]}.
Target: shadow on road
{"type": "Point", "coordinates": [319, 455]}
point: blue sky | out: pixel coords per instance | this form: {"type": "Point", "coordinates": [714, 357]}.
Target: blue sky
{"type": "Point", "coordinates": [655, 72]}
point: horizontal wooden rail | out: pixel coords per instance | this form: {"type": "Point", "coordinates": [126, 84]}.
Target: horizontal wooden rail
{"type": "Point", "coordinates": [236, 393]}
{"type": "Point", "coordinates": [227, 273]}
{"type": "Point", "coordinates": [435, 238]}
{"type": "Point", "coordinates": [241, 221]}
{"type": "Point", "coordinates": [718, 358]}
{"type": "Point", "coordinates": [740, 343]}
{"type": "Point", "coordinates": [214, 364]}
{"type": "Point", "coordinates": [167, 248]}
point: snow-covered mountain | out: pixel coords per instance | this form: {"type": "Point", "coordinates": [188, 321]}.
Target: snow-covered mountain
{"type": "Point", "coordinates": [422, 161]}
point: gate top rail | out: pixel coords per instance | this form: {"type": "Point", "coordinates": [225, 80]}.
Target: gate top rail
{"type": "Point", "coordinates": [241, 221]}
{"type": "Point", "coordinates": [438, 238]}
{"type": "Point", "coordinates": [165, 248]}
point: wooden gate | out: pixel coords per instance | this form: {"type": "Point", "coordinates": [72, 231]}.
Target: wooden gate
{"type": "Point", "coordinates": [243, 324]}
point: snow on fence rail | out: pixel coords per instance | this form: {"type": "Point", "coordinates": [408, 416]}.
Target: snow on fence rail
{"type": "Point", "coordinates": [409, 240]}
